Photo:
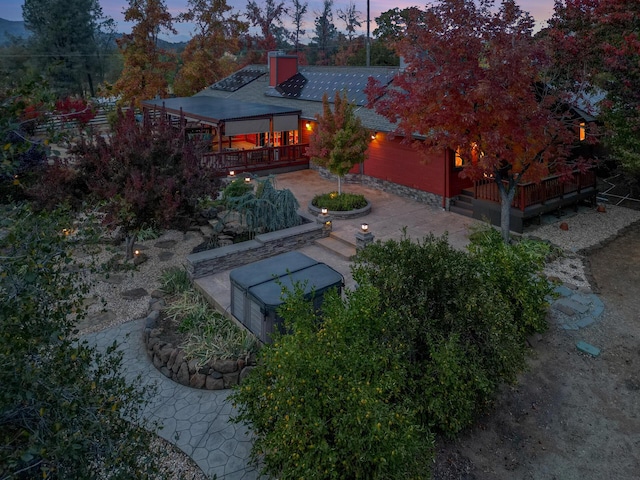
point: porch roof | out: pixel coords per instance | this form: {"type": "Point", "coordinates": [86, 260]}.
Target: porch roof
{"type": "Point", "coordinates": [215, 111]}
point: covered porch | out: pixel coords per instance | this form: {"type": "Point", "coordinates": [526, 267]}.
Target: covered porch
{"type": "Point", "coordinates": [239, 136]}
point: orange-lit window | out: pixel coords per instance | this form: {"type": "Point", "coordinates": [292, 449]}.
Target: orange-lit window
{"type": "Point", "coordinates": [583, 131]}
{"type": "Point", "coordinates": [458, 161]}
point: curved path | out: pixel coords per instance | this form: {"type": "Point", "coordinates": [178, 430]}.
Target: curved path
{"type": "Point", "coordinates": [196, 421]}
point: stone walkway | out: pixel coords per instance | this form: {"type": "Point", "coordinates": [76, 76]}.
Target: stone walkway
{"type": "Point", "coordinates": [196, 421]}
{"type": "Point", "coordinates": [575, 308]}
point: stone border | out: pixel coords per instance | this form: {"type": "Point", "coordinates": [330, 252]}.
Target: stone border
{"type": "Point", "coordinates": [341, 215]}
{"type": "Point", "coordinates": [170, 359]}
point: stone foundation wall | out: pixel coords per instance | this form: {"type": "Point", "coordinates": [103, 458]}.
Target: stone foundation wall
{"type": "Point", "coordinates": [263, 246]}
{"type": "Point", "coordinates": [394, 188]}
{"type": "Point", "coordinates": [171, 362]}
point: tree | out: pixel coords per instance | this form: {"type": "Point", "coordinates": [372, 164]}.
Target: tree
{"type": "Point", "coordinates": [66, 42]}
{"type": "Point", "coordinates": [351, 18]}
{"type": "Point", "coordinates": [269, 20]}
{"type": "Point", "coordinates": [66, 411]}
{"type": "Point", "coordinates": [325, 400]}
{"type": "Point", "coordinates": [297, 14]}
{"type": "Point", "coordinates": [474, 85]}
{"type": "Point", "coordinates": [340, 141]}
{"type": "Point", "coordinates": [146, 65]}
{"type": "Point", "coordinates": [326, 32]}
{"type": "Point", "coordinates": [147, 174]}
{"type": "Point", "coordinates": [204, 59]}
{"type": "Point", "coordinates": [596, 45]}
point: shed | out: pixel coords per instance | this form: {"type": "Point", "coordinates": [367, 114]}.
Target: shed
{"type": "Point", "coordinates": [257, 289]}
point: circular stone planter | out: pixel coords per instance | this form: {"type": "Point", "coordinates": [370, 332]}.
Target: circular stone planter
{"type": "Point", "coordinates": [342, 215]}
{"type": "Point", "coordinates": [170, 359]}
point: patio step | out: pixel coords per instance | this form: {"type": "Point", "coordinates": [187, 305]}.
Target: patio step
{"type": "Point", "coordinates": [338, 246]}
{"type": "Point", "coordinates": [462, 204]}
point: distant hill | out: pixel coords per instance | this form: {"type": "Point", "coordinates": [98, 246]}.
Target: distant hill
{"type": "Point", "coordinates": [9, 28]}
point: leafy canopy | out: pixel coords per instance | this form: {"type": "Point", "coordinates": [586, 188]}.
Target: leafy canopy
{"type": "Point", "coordinates": [473, 84]}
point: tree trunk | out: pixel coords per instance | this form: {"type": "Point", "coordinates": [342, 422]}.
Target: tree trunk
{"type": "Point", "coordinates": [339, 185]}
{"type": "Point", "coordinates": [507, 195]}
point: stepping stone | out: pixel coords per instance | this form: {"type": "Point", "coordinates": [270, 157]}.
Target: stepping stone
{"type": "Point", "coordinates": [113, 279]}
{"type": "Point", "coordinates": [134, 294]}
{"type": "Point", "coordinates": [166, 244]}
{"type": "Point", "coordinates": [584, 347]}
{"type": "Point", "coordinates": [165, 255]}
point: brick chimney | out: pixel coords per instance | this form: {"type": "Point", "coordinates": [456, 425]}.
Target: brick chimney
{"type": "Point", "coordinates": [281, 67]}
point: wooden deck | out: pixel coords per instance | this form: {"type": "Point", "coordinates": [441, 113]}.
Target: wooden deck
{"type": "Point", "coordinates": [284, 158]}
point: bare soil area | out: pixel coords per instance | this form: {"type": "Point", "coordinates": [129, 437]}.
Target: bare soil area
{"type": "Point", "coordinates": [571, 416]}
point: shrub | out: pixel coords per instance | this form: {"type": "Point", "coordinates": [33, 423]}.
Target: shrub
{"type": "Point", "coordinates": [65, 409]}
{"type": "Point", "coordinates": [326, 400]}
{"type": "Point", "coordinates": [465, 317]}
{"type": "Point", "coordinates": [339, 202]}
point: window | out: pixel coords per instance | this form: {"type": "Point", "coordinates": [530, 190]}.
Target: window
{"type": "Point", "coordinates": [583, 131]}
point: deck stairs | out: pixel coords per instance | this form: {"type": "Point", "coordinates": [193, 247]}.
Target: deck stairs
{"type": "Point", "coordinates": [463, 204]}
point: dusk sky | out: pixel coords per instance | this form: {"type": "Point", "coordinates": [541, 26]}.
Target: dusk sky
{"type": "Point", "coordinates": [540, 9]}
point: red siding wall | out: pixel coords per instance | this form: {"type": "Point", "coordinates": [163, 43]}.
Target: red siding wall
{"type": "Point", "coordinates": [399, 163]}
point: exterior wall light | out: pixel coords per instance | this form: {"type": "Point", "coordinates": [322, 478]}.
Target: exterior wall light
{"type": "Point", "coordinates": [232, 173]}
{"type": "Point", "coordinates": [365, 227]}
{"type": "Point", "coordinates": [247, 179]}
{"type": "Point", "coordinates": [324, 210]}
{"type": "Point", "coordinates": [374, 135]}
{"type": "Point", "coordinates": [308, 125]}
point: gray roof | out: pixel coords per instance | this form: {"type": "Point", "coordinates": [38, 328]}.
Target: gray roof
{"type": "Point", "coordinates": [217, 110]}
{"type": "Point", "coordinates": [258, 91]}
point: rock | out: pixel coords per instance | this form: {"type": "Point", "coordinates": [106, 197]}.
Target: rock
{"type": "Point", "coordinates": [182, 377]}
{"type": "Point", "coordinates": [157, 293]}
{"type": "Point", "coordinates": [212, 383]}
{"type": "Point", "coordinates": [134, 293]}
{"type": "Point", "coordinates": [156, 305]}
{"type": "Point", "coordinates": [193, 366]}
{"type": "Point", "coordinates": [206, 230]}
{"type": "Point", "coordinates": [157, 361]}
{"type": "Point", "coordinates": [164, 256]}
{"type": "Point", "coordinates": [197, 380]}
{"type": "Point", "coordinates": [216, 375]}
{"type": "Point", "coordinates": [140, 258]}
{"type": "Point", "coordinates": [102, 317]}
{"type": "Point", "coordinates": [245, 371]}
{"type": "Point", "coordinates": [113, 278]}
{"type": "Point", "coordinates": [165, 244]}
{"type": "Point", "coordinates": [152, 319]}
{"type": "Point", "coordinates": [178, 361]}
{"type": "Point", "coordinates": [225, 366]}
{"type": "Point", "coordinates": [165, 371]}
{"type": "Point", "coordinates": [165, 352]}
{"type": "Point", "coordinates": [172, 358]}
{"type": "Point", "coordinates": [564, 226]}
{"type": "Point", "coordinates": [153, 341]}
{"type": "Point", "coordinates": [230, 379]}
{"type": "Point", "coordinates": [601, 209]}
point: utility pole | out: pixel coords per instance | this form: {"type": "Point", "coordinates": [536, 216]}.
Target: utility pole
{"type": "Point", "coordinates": [368, 41]}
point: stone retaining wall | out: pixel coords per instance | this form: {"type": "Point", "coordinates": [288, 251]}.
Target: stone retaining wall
{"type": "Point", "coordinates": [171, 362]}
{"type": "Point", "coordinates": [265, 245]}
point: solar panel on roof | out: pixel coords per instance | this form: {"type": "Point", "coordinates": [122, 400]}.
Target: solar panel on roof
{"type": "Point", "coordinates": [237, 80]}
{"type": "Point", "coordinates": [310, 85]}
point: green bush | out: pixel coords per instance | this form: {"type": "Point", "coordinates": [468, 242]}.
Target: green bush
{"type": "Point", "coordinates": [236, 188]}
{"type": "Point", "coordinates": [326, 401]}
{"type": "Point", "coordinates": [175, 280]}
{"type": "Point", "coordinates": [65, 409]}
{"type": "Point", "coordinates": [339, 202]}
{"type": "Point", "coordinates": [465, 317]}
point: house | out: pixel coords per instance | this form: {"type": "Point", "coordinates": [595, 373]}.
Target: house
{"type": "Point", "coordinates": [260, 118]}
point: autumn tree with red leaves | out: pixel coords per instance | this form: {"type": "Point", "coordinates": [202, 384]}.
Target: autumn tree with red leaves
{"type": "Point", "coordinates": [340, 141]}
{"type": "Point", "coordinates": [146, 65]}
{"type": "Point", "coordinates": [205, 59]}
{"type": "Point", "coordinates": [474, 84]}
{"type": "Point", "coordinates": [596, 45]}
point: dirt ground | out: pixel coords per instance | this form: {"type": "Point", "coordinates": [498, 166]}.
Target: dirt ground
{"type": "Point", "coordinates": [570, 416]}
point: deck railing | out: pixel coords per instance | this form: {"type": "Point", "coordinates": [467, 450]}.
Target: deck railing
{"type": "Point", "coordinates": [255, 159]}
{"type": "Point", "coordinates": [530, 194]}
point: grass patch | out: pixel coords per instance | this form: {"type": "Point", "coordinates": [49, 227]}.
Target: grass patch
{"type": "Point", "coordinates": [339, 202]}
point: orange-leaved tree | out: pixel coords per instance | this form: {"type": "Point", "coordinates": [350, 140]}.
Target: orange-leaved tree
{"type": "Point", "coordinates": [146, 65]}
{"type": "Point", "coordinates": [475, 84]}
{"type": "Point", "coordinates": [340, 141]}
{"type": "Point", "coordinates": [207, 57]}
